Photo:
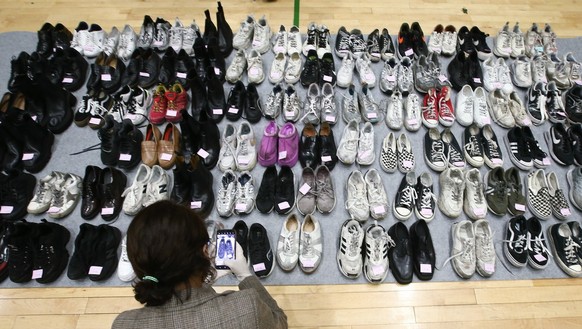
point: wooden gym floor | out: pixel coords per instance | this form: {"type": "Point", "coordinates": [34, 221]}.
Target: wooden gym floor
{"type": "Point", "coordinates": [471, 304]}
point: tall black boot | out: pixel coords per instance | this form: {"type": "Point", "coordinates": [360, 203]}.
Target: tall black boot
{"type": "Point", "coordinates": [202, 195]}
{"type": "Point", "coordinates": [224, 32]}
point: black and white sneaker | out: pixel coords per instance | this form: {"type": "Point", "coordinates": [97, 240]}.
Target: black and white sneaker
{"type": "Point", "coordinates": [538, 197]}
{"type": "Point", "coordinates": [376, 264]}
{"type": "Point", "coordinates": [554, 104]}
{"type": "Point", "coordinates": [536, 103]}
{"type": "Point", "coordinates": [565, 249]}
{"type": "Point", "coordinates": [435, 150]}
{"type": "Point", "coordinates": [311, 69]}
{"type": "Point", "coordinates": [540, 158]}
{"type": "Point", "coordinates": [559, 144]}
{"type": "Point", "coordinates": [473, 150]}
{"type": "Point", "coordinates": [260, 252]}
{"type": "Point", "coordinates": [491, 150]}
{"type": "Point", "coordinates": [405, 199]}
{"type": "Point", "coordinates": [349, 253]}
{"type": "Point", "coordinates": [575, 134]}
{"type": "Point", "coordinates": [455, 154]}
{"type": "Point", "coordinates": [386, 45]}
{"type": "Point", "coordinates": [342, 42]}
{"type": "Point", "coordinates": [538, 254]}
{"type": "Point", "coordinates": [519, 152]}
{"type": "Point", "coordinates": [388, 155]}
{"type": "Point", "coordinates": [515, 246]}
{"type": "Point", "coordinates": [425, 198]}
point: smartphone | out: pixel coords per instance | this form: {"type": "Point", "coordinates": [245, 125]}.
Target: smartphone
{"type": "Point", "coordinates": [225, 248]}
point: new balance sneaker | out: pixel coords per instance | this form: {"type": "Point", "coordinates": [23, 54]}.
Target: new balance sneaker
{"type": "Point", "coordinates": [465, 107]}
{"type": "Point", "coordinates": [484, 248]}
{"type": "Point", "coordinates": [538, 254]}
{"type": "Point", "coordinates": [350, 106]}
{"type": "Point", "coordinates": [348, 147]}
{"type": "Point", "coordinates": [430, 117]}
{"type": "Point", "coordinates": [376, 263]}
{"type": "Point", "coordinates": [377, 197]}
{"type": "Point", "coordinates": [158, 185]}
{"type": "Point", "coordinates": [388, 155]}
{"type": "Point", "coordinates": [389, 76]}
{"type": "Point", "coordinates": [288, 243]}
{"type": "Point", "coordinates": [135, 194]}
{"type": "Point", "coordinates": [474, 203]}
{"type": "Point", "coordinates": [404, 201]}
{"type": "Point", "coordinates": [515, 247]}
{"type": "Point", "coordinates": [519, 151]}
{"type": "Point", "coordinates": [406, 161]}
{"type": "Point", "coordinates": [558, 201]}
{"type": "Point", "coordinates": [538, 198]}
{"type": "Point", "coordinates": [394, 112]}
{"type": "Point", "coordinates": [463, 249]}
{"type": "Point", "coordinates": [226, 194]}
{"type": "Point", "coordinates": [260, 253]}
{"type": "Point", "coordinates": [455, 155]}
{"type": "Point", "coordinates": [426, 200]}
{"type": "Point", "coordinates": [491, 147]}
{"type": "Point", "coordinates": [452, 187]}
{"type": "Point", "coordinates": [345, 73]}
{"type": "Point", "coordinates": [435, 150]}
{"type": "Point", "coordinates": [413, 113]}
{"type": "Point", "coordinates": [349, 254]}
{"type": "Point", "coordinates": [310, 245]}
{"type": "Point", "coordinates": [559, 144]}
{"type": "Point", "coordinates": [515, 199]}
{"type": "Point", "coordinates": [473, 150]}
{"type": "Point", "coordinates": [565, 249]}
{"type": "Point", "coordinates": [496, 191]}
{"type": "Point", "coordinates": [366, 153]}
{"type": "Point", "coordinates": [357, 199]}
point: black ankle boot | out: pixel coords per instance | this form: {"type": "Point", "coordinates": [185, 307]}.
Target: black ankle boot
{"type": "Point", "coordinates": [216, 98]}
{"type": "Point", "coordinates": [199, 100]}
{"type": "Point", "coordinates": [224, 32]}
{"type": "Point", "coordinates": [190, 141]}
{"type": "Point", "coordinates": [182, 188]}
{"type": "Point", "coordinates": [209, 140]}
{"type": "Point", "coordinates": [202, 195]}
{"type": "Point", "coordinates": [210, 30]}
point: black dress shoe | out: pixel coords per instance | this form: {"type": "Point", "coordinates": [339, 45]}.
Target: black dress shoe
{"type": "Point", "coordinates": [201, 58]}
{"type": "Point", "coordinates": [44, 45]}
{"type": "Point", "coordinates": [131, 74]}
{"type": "Point", "coordinates": [112, 185]}
{"type": "Point", "coordinates": [215, 59]}
{"type": "Point", "coordinates": [150, 68]}
{"type": "Point", "coordinates": [167, 74]}
{"type": "Point", "coordinates": [327, 148]}
{"type": "Point", "coordinates": [182, 187]}
{"type": "Point", "coordinates": [11, 158]}
{"type": "Point", "coordinates": [202, 195]}
{"type": "Point", "coordinates": [216, 98]}
{"type": "Point", "coordinates": [236, 103]}
{"type": "Point", "coordinates": [266, 194]}
{"type": "Point", "coordinates": [75, 70]}
{"type": "Point", "coordinates": [254, 108]}
{"type": "Point", "coordinates": [16, 191]}
{"type": "Point", "coordinates": [18, 70]}
{"type": "Point", "coordinates": [111, 73]}
{"type": "Point", "coordinates": [401, 255]}
{"type": "Point", "coordinates": [189, 128]}
{"type": "Point", "coordinates": [423, 248]}
{"type": "Point", "coordinates": [182, 65]}
{"type": "Point", "coordinates": [91, 197]}
{"type": "Point", "coordinates": [61, 37]}
{"type": "Point", "coordinates": [309, 154]}
{"type": "Point", "coordinates": [209, 140]}
{"type": "Point", "coordinates": [284, 199]}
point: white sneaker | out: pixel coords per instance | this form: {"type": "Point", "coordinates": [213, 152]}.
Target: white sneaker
{"type": "Point", "coordinates": [366, 154]}
{"type": "Point", "coordinates": [246, 153]}
{"type": "Point", "coordinates": [288, 243]}
{"type": "Point", "coordinates": [291, 104]}
{"type": "Point", "coordinates": [126, 45]}
{"type": "Point", "coordinates": [310, 42]}
{"type": "Point", "coordinates": [484, 248]}
{"type": "Point", "coordinates": [345, 73]}
{"type": "Point", "coordinates": [136, 193]}
{"type": "Point", "coordinates": [452, 187]}
{"type": "Point", "coordinates": [349, 254]}
{"type": "Point", "coordinates": [312, 105]}
{"type": "Point", "coordinates": [449, 40]}
{"type": "Point", "coordinates": [368, 106]}
{"type": "Point", "coordinates": [81, 37]}
{"type": "Point", "coordinates": [357, 197]}
{"type": "Point", "coordinates": [189, 36]}
{"type": "Point", "coordinates": [504, 76]}
{"type": "Point", "coordinates": [350, 106]}
{"type": "Point", "coordinates": [176, 34]}
{"type": "Point", "coordinates": [388, 156]}
{"type": "Point", "coordinates": [158, 186]}
{"type": "Point", "coordinates": [574, 69]}
{"type": "Point", "coordinates": [328, 107]}
{"type": "Point", "coordinates": [323, 41]}
{"type": "Point", "coordinates": [228, 143]}
{"type": "Point", "coordinates": [389, 76]}
{"type": "Point", "coordinates": [293, 70]}
{"type": "Point", "coordinates": [348, 146]}
{"type": "Point", "coordinates": [413, 119]}
{"type": "Point", "coordinates": [110, 46]}
{"type": "Point", "coordinates": [96, 41]}
{"type": "Point", "coordinates": [481, 115]}
{"type": "Point", "coordinates": [280, 41]}
{"type": "Point", "coordinates": [226, 194]}
{"type": "Point", "coordinates": [405, 155]}
{"type": "Point", "coordinates": [538, 68]}
{"type": "Point", "coordinates": [435, 42]}
{"type": "Point", "coordinates": [517, 42]}
{"type": "Point", "coordinates": [140, 105]}
{"type": "Point", "coordinates": [405, 76]}
{"type": "Point", "coordinates": [274, 103]}
{"type": "Point", "coordinates": [125, 271]}
{"type": "Point", "coordinates": [376, 257]}
{"type": "Point", "coordinates": [465, 106]}
{"type": "Point", "coordinates": [394, 112]}
{"type": "Point", "coordinates": [277, 72]}
{"type": "Point", "coordinates": [311, 245]}
{"type": "Point", "coordinates": [245, 194]}
{"type": "Point", "coordinates": [294, 41]}
{"type": "Point", "coordinates": [242, 39]}
{"type": "Point", "coordinates": [463, 249]}
{"type": "Point", "coordinates": [522, 75]}
{"type": "Point", "coordinates": [365, 71]}
{"type": "Point", "coordinates": [255, 70]}
{"type": "Point", "coordinates": [490, 71]}
{"type": "Point", "coordinates": [499, 109]}
{"type": "Point", "coordinates": [44, 193]}
{"type": "Point", "coordinates": [261, 36]}
{"type": "Point", "coordinates": [237, 67]}
{"type": "Point", "coordinates": [377, 196]}
{"type": "Point", "coordinates": [475, 204]}
{"type": "Point", "coordinates": [517, 109]}
{"type": "Point", "coordinates": [502, 46]}
{"type": "Point", "coordinates": [66, 197]}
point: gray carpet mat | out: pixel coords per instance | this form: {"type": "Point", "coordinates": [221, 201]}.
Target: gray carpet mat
{"type": "Point", "coordinates": [75, 139]}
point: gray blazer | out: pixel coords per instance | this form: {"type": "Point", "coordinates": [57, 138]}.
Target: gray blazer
{"type": "Point", "coordinates": [251, 307]}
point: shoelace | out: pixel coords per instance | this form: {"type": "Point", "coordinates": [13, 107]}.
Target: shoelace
{"type": "Point", "coordinates": [449, 39]}
{"type": "Point", "coordinates": [473, 147]}
{"type": "Point", "coordinates": [44, 257]}
{"type": "Point", "coordinates": [40, 193]}
{"type": "Point", "coordinates": [426, 198]}
{"type": "Point", "coordinates": [406, 77]}
{"type": "Point", "coordinates": [445, 110]}
{"type": "Point", "coordinates": [456, 192]}
{"type": "Point", "coordinates": [518, 40]}
{"type": "Point", "coordinates": [571, 250]}
{"type": "Point", "coordinates": [540, 69]}
{"type": "Point", "coordinates": [322, 38]}
{"type": "Point", "coordinates": [356, 43]}
{"type": "Point", "coordinates": [538, 246]}
{"type": "Point", "coordinates": [327, 105]}
{"type": "Point", "coordinates": [437, 152]}
{"type": "Point", "coordinates": [289, 244]}
{"type": "Point", "coordinates": [376, 195]}
{"type": "Point", "coordinates": [350, 100]}
{"type": "Point", "coordinates": [307, 246]}
{"type": "Point", "coordinates": [467, 253]}
{"type": "Point", "coordinates": [97, 109]}
{"type": "Point", "coordinates": [505, 38]}
{"type": "Point", "coordinates": [243, 147]}
{"type": "Point", "coordinates": [132, 192]}
{"type": "Point", "coordinates": [344, 43]}
{"type": "Point", "coordinates": [58, 197]}
{"type": "Point", "coordinates": [524, 70]}
{"type": "Point", "coordinates": [408, 196]}
{"type": "Point", "coordinates": [430, 109]}
{"type": "Point", "coordinates": [413, 112]}
{"type": "Point", "coordinates": [493, 148]}
{"type": "Point", "coordinates": [280, 40]}
{"type": "Point", "coordinates": [292, 41]}
{"type": "Point", "coordinates": [479, 197]}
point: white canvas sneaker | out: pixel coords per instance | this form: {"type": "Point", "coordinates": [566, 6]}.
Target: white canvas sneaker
{"type": "Point", "coordinates": [228, 143]}
{"type": "Point", "coordinates": [464, 106]}
{"type": "Point", "coordinates": [288, 243]}
{"type": "Point", "coordinates": [277, 71]}
{"type": "Point", "coordinates": [357, 197]}
{"type": "Point", "coordinates": [293, 70]}
{"type": "Point", "coordinates": [136, 193]}
{"type": "Point", "coordinates": [499, 109]}
{"type": "Point", "coordinates": [158, 186]}
{"type": "Point", "coordinates": [474, 204]}
{"type": "Point", "coordinates": [376, 257]}
{"type": "Point", "coordinates": [388, 156]}
{"type": "Point", "coordinates": [41, 200]}
{"type": "Point", "coordinates": [261, 36]}
{"type": "Point", "coordinates": [280, 41]}
{"type": "Point", "coordinates": [328, 107]}
{"type": "Point", "coordinates": [345, 73]}
{"type": "Point", "coordinates": [484, 248]}
{"type": "Point", "coordinates": [348, 146]}
{"type": "Point", "coordinates": [365, 72]}
{"type": "Point", "coordinates": [255, 69]}
{"type": "Point", "coordinates": [226, 194]}
{"type": "Point", "coordinates": [242, 39]}
{"type": "Point", "coordinates": [413, 118]}
{"type": "Point", "coordinates": [406, 161]}
{"type": "Point", "coordinates": [291, 104]}
{"type": "Point", "coordinates": [246, 153]}
{"type": "Point", "coordinates": [377, 196]}
{"type": "Point", "coordinates": [125, 271]}
{"type": "Point", "coordinates": [504, 76]}
{"type": "Point", "coordinates": [294, 41]}
{"type": "Point", "coordinates": [481, 115]}
{"type": "Point", "coordinates": [237, 67]}
{"type": "Point", "coordinates": [349, 253]}
{"type": "Point", "coordinates": [366, 154]}
{"type": "Point", "coordinates": [368, 106]}
{"type": "Point", "coordinates": [350, 106]}
{"type": "Point", "coordinates": [452, 187]}
{"type": "Point", "coordinates": [310, 245]}
{"type": "Point", "coordinates": [463, 249]}
{"type": "Point", "coordinates": [245, 194]}
{"type": "Point", "coordinates": [522, 75]}
{"type": "Point", "coordinates": [394, 112]}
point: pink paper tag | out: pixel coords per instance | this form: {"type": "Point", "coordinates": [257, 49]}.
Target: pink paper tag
{"type": "Point", "coordinates": [409, 52]}
{"type": "Point", "coordinates": [412, 121]}
{"type": "Point", "coordinates": [144, 74]}
{"type": "Point", "coordinates": [308, 263]}
{"type": "Point", "coordinates": [107, 211]}
{"type": "Point", "coordinates": [233, 110]}
{"type": "Point", "coordinates": [479, 211]}
{"type": "Point", "coordinates": [240, 206]}
{"type": "Point", "coordinates": [459, 163]}
{"type": "Point", "coordinates": [284, 205]}
{"type": "Point", "coordinates": [217, 111]}
{"type": "Point", "coordinates": [407, 163]}
{"type": "Point", "coordinates": [244, 160]}
{"type": "Point", "coordinates": [380, 209]}
{"type": "Point", "coordinates": [106, 77]}
{"type": "Point", "coordinates": [527, 122]}
{"type": "Point", "coordinates": [131, 116]}
{"type": "Point", "coordinates": [95, 121]}
{"type": "Point", "coordinates": [166, 156]}
{"type": "Point", "coordinates": [372, 115]}
{"type": "Point", "coordinates": [6, 209]}
{"type": "Point", "coordinates": [33, 117]}
{"type": "Point", "coordinates": [540, 257]}
{"type": "Point", "coordinates": [327, 78]}
{"type": "Point", "coordinates": [282, 155]}
{"type": "Point", "coordinates": [443, 78]}
{"type": "Point", "coordinates": [195, 204]}
{"type": "Point", "coordinates": [578, 82]}
{"type": "Point", "coordinates": [490, 267]}
{"type": "Point", "coordinates": [565, 212]}
{"type": "Point", "coordinates": [486, 121]}
{"type": "Point", "coordinates": [157, 43]}
{"type": "Point", "coordinates": [181, 75]}
{"type": "Point", "coordinates": [391, 78]}
{"type": "Point", "coordinates": [95, 270]}
{"type": "Point", "coordinates": [520, 207]}
{"type": "Point", "coordinates": [365, 154]}
{"type": "Point", "coordinates": [67, 80]}
{"type": "Point", "coordinates": [370, 76]}
{"type": "Point", "coordinates": [330, 118]}
{"type": "Point", "coordinates": [253, 71]}
{"type": "Point", "coordinates": [37, 274]}
{"type": "Point", "coordinates": [171, 113]}
{"type": "Point", "coordinates": [546, 161]}
{"type": "Point", "coordinates": [377, 269]}
{"type": "Point", "coordinates": [27, 156]}
{"type": "Point", "coordinates": [259, 267]}
{"type": "Point", "coordinates": [304, 188]}
{"type": "Point", "coordinates": [326, 158]}
{"type": "Point", "coordinates": [124, 157]}
{"type": "Point", "coordinates": [497, 161]}
{"type": "Point", "coordinates": [202, 153]}
{"type": "Point", "coordinates": [425, 268]}
{"type": "Point", "coordinates": [216, 71]}
{"type": "Point", "coordinates": [426, 212]}
{"type": "Point", "coordinates": [53, 210]}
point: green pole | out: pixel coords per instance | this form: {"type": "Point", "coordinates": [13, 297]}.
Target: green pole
{"type": "Point", "coordinates": [296, 13]}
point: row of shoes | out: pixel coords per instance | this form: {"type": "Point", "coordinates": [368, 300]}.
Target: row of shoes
{"type": "Point", "coordinates": [405, 252]}
{"type": "Point", "coordinates": [378, 46]}
{"type": "Point", "coordinates": [149, 185]}
{"type": "Point", "coordinates": [57, 194]}
{"type": "Point", "coordinates": [565, 72]}
{"type": "Point", "coordinates": [366, 196]}
{"type": "Point", "coordinates": [525, 243]}
{"type": "Point", "coordinates": [300, 243]}
{"type": "Point", "coordinates": [16, 192]}
{"type": "Point", "coordinates": [514, 43]}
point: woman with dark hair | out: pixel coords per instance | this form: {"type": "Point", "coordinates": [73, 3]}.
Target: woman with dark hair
{"type": "Point", "coordinates": [167, 245]}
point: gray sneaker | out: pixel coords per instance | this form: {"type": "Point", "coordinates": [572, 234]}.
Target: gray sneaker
{"type": "Point", "coordinates": [328, 107]}
{"type": "Point", "coordinates": [307, 192]}
{"type": "Point", "coordinates": [350, 106]}
{"type": "Point", "coordinates": [366, 154]}
{"type": "Point", "coordinates": [575, 183]}
{"type": "Point", "coordinates": [405, 76]}
{"type": "Point", "coordinates": [288, 243]}
{"type": "Point", "coordinates": [376, 194]}
{"type": "Point", "coordinates": [452, 186]}
{"type": "Point", "coordinates": [423, 75]}
{"type": "Point", "coordinates": [325, 191]}
{"type": "Point", "coordinates": [226, 194]}
{"type": "Point", "coordinates": [357, 198]}
{"type": "Point", "coordinates": [474, 205]}
{"type": "Point", "coordinates": [274, 103]}
{"type": "Point", "coordinates": [291, 104]}
{"type": "Point", "coordinates": [312, 107]}
{"type": "Point", "coordinates": [412, 118]}
{"type": "Point", "coordinates": [348, 146]}
{"type": "Point", "coordinates": [484, 248]}
{"type": "Point", "coordinates": [368, 106]}
{"type": "Point", "coordinates": [310, 244]}
{"type": "Point", "coordinates": [245, 194]}
{"type": "Point", "coordinates": [463, 249]}
{"type": "Point", "coordinates": [389, 76]}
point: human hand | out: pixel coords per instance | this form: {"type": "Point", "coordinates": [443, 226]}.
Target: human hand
{"type": "Point", "coordinates": [239, 266]}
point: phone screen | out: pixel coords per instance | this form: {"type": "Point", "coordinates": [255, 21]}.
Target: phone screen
{"type": "Point", "coordinates": [225, 247]}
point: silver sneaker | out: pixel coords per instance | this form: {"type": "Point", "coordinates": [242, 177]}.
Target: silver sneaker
{"type": "Point", "coordinates": [245, 194]}
{"type": "Point", "coordinates": [389, 76]}
{"type": "Point", "coordinates": [463, 249]}
{"type": "Point", "coordinates": [110, 46]}
{"type": "Point", "coordinates": [126, 45]}
{"type": "Point", "coordinates": [237, 67]}
{"type": "Point", "coordinates": [242, 39]}
{"type": "Point", "coordinates": [66, 196]}
{"type": "Point", "coordinates": [310, 245]}
{"type": "Point", "coordinates": [475, 204]}
{"type": "Point", "coordinates": [176, 34]}
{"type": "Point", "coordinates": [246, 153]}
{"type": "Point", "coordinates": [368, 106]}
{"type": "Point", "coordinates": [377, 196]}
{"type": "Point", "coordinates": [394, 112]}
{"type": "Point", "coordinates": [312, 107]}
{"type": "Point", "coordinates": [288, 243]}
{"type": "Point", "coordinates": [405, 76]}
{"type": "Point", "coordinates": [274, 103]}
{"type": "Point", "coordinates": [452, 186]}
{"type": "Point", "coordinates": [378, 242]}
{"type": "Point", "coordinates": [41, 200]}
{"type": "Point", "coordinates": [357, 198]}
{"type": "Point", "coordinates": [226, 194]}
{"type": "Point", "coordinates": [348, 146]}
{"type": "Point", "coordinates": [291, 104]}
{"type": "Point", "coordinates": [365, 72]}
{"type": "Point", "coordinates": [226, 157]}
{"type": "Point", "coordinates": [189, 36]}
{"type": "Point", "coordinates": [328, 107]}
{"type": "Point", "coordinates": [350, 106]}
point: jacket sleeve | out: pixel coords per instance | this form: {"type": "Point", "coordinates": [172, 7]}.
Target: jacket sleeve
{"type": "Point", "coordinates": [269, 311]}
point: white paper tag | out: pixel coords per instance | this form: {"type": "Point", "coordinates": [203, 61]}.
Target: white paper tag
{"type": "Point", "coordinates": [364, 154]}
{"type": "Point", "coordinates": [107, 211]}
{"type": "Point", "coordinates": [425, 268]}
{"type": "Point", "coordinates": [380, 210]}
{"type": "Point", "coordinates": [459, 164]}
{"type": "Point", "coordinates": [195, 204]}
{"type": "Point", "coordinates": [27, 156]}
{"type": "Point", "coordinates": [233, 110]}
{"type": "Point", "coordinates": [217, 111]}
{"type": "Point", "coordinates": [490, 267]}
{"type": "Point", "coordinates": [578, 82]}
{"type": "Point", "coordinates": [391, 78]}
{"type": "Point", "coordinates": [33, 117]}
{"type": "Point", "coordinates": [377, 269]}
{"type": "Point", "coordinates": [304, 188]}
{"type": "Point", "coordinates": [407, 163]}
{"type": "Point", "coordinates": [181, 75]}
{"type": "Point", "coordinates": [327, 78]}
{"type": "Point", "coordinates": [330, 118]}
{"type": "Point", "coordinates": [53, 210]}
{"type": "Point", "coordinates": [37, 274]}
{"type": "Point", "coordinates": [546, 161]}
{"type": "Point", "coordinates": [412, 122]}
{"type": "Point", "coordinates": [240, 206]}
{"type": "Point", "coordinates": [308, 263]}
{"type": "Point", "coordinates": [6, 209]}
{"type": "Point", "coordinates": [144, 74]}
{"type": "Point", "coordinates": [497, 161]}
{"type": "Point", "coordinates": [479, 211]}
{"type": "Point", "coordinates": [166, 156]}
{"type": "Point", "coordinates": [372, 115]}
{"type": "Point", "coordinates": [443, 78]}
{"type": "Point", "coordinates": [95, 121]}
{"type": "Point", "coordinates": [131, 116]}
{"type": "Point", "coordinates": [171, 113]}
{"type": "Point", "coordinates": [202, 153]}
{"type": "Point", "coordinates": [284, 205]}
{"type": "Point", "coordinates": [326, 158]}
{"type": "Point", "coordinates": [95, 270]}
{"type": "Point", "coordinates": [409, 52]}
{"type": "Point", "coordinates": [477, 80]}
{"type": "Point", "coordinates": [282, 155]}
{"type": "Point", "coordinates": [244, 160]}
{"type": "Point", "coordinates": [426, 212]}
{"type": "Point", "coordinates": [520, 207]}
{"type": "Point", "coordinates": [216, 71]}
{"type": "Point", "coordinates": [106, 77]}
{"type": "Point", "coordinates": [259, 267]}
{"type": "Point", "coordinates": [124, 157]}
{"type": "Point", "coordinates": [565, 212]}
{"type": "Point", "coordinates": [67, 80]}
{"type": "Point", "coordinates": [540, 257]}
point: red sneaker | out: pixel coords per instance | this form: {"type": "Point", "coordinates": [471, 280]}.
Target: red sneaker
{"type": "Point", "coordinates": [445, 106]}
{"type": "Point", "coordinates": [430, 116]}
{"type": "Point", "coordinates": [159, 106]}
{"type": "Point", "coordinates": [177, 101]}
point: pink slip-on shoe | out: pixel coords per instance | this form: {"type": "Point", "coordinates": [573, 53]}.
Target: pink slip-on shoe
{"type": "Point", "coordinates": [268, 149]}
{"type": "Point", "coordinates": [288, 145]}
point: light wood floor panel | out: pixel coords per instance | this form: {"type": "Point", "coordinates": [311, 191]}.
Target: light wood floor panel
{"type": "Point", "coordinates": [369, 316]}
{"type": "Point", "coordinates": [46, 321]}
{"type": "Point", "coordinates": [524, 295]}
{"type": "Point", "coordinates": [42, 306]}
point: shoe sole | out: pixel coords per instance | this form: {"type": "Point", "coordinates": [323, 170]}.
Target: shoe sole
{"type": "Point", "coordinates": [570, 180]}
{"type": "Point", "coordinates": [514, 160]}
{"type": "Point", "coordinates": [397, 215]}
{"type": "Point", "coordinates": [559, 261]}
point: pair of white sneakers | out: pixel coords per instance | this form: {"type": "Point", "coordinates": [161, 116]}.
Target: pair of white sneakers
{"type": "Point", "coordinates": [366, 196]}
{"type": "Point", "coordinates": [238, 148]}
{"type": "Point", "coordinates": [255, 34]}
{"type": "Point", "coordinates": [149, 186]}
{"type": "Point", "coordinates": [357, 145]}
{"type": "Point", "coordinates": [300, 243]}
{"type": "Point", "coordinates": [251, 62]}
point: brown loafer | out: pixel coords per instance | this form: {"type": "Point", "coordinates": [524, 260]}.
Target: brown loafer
{"type": "Point", "coordinates": [169, 146]}
{"type": "Point", "coordinates": [149, 146]}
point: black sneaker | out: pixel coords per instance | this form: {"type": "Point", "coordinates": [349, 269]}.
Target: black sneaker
{"type": "Point", "coordinates": [91, 196]}
{"type": "Point", "coordinates": [536, 104]}
{"type": "Point", "coordinates": [265, 196]}
{"type": "Point", "coordinates": [373, 44]}
{"type": "Point", "coordinates": [254, 107]}
{"type": "Point", "coordinates": [435, 150]}
{"type": "Point", "coordinates": [474, 71]}
{"type": "Point", "coordinates": [342, 42]}
{"type": "Point", "coordinates": [104, 260]}
{"type": "Point", "coordinates": [16, 191]}
{"type": "Point", "coordinates": [573, 104]}
{"type": "Point", "coordinates": [236, 101]}
{"type": "Point", "coordinates": [358, 45]}
{"type": "Point", "coordinates": [465, 41]}
{"type": "Point", "coordinates": [404, 202]}
{"type": "Point", "coordinates": [418, 40]}
{"type": "Point", "coordinates": [327, 70]}
{"type": "Point", "coordinates": [518, 147]}
{"type": "Point", "coordinates": [311, 69]}
{"type": "Point", "coordinates": [112, 186]}
{"type": "Point", "coordinates": [386, 44]}
{"type": "Point", "coordinates": [554, 105]}
{"type": "Point", "coordinates": [405, 42]}
{"type": "Point", "coordinates": [242, 233]}
{"type": "Point", "coordinates": [455, 154]}
{"type": "Point", "coordinates": [284, 199]}
{"type": "Point", "coordinates": [458, 71]}
{"type": "Point", "coordinates": [539, 157]}
{"type": "Point", "coordinates": [537, 248]}
{"type": "Point", "coordinates": [473, 149]}
{"type": "Point", "coordinates": [401, 255]}
{"type": "Point", "coordinates": [576, 235]}
{"type": "Point", "coordinates": [129, 145]}
{"type": "Point", "coordinates": [423, 250]}
{"type": "Point", "coordinates": [575, 134]}
{"type": "Point", "coordinates": [109, 136]}
{"type": "Point", "coordinates": [260, 253]}
{"type": "Point", "coordinates": [51, 256]}
{"type": "Point", "coordinates": [560, 144]}
{"type": "Point", "coordinates": [515, 198]}
{"type": "Point", "coordinates": [425, 199]}
{"type": "Point", "coordinates": [480, 42]}
{"type": "Point", "coordinates": [21, 244]}
{"type": "Point", "coordinates": [565, 249]}
{"type": "Point", "coordinates": [515, 247]}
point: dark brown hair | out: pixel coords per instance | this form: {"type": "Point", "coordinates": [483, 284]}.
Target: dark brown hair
{"type": "Point", "coordinates": [166, 241]}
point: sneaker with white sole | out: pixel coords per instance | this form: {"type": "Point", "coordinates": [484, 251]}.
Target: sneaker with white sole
{"type": "Point", "coordinates": [310, 244]}
{"type": "Point", "coordinates": [288, 243]}
{"type": "Point", "coordinates": [245, 194]}
{"type": "Point", "coordinates": [560, 207]}
{"type": "Point", "coordinates": [480, 107]}
{"type": "Point", "coordinates": [394, 112]}
{"type": "Point", "coordinates": [365, 72]}
{"type": "Point", "coordinates": [452, 187]}
{"type": "Point", "coordinates": [357, 199]}
{"type": "Point", "coordinates": [426, 200]}
{"type": "Point", "coordinates": [312, 105]}
{"type": "Point", "coordinates": [158, 186]}
{"type": "Point", "coordinates": [377, 196]}
{"type": "Point", "coordinates": [246, 153]}
{"type": "Point", "coordinates": [388, 155]}
{"type": "Point", "coordinates": [347, 150]}
{"type": "Point", "coordinates": [405, 76]}
{"type": "Point", "coordinates": [280, 41]}
{"type": "Point", "coordinates": [135, 194]}
{"type": "Point", "coordinates": [522, 75]}
{"type": "Point", "coordinates": [255, 68]}
{"type": "Point", "coordinates": [294, 41]}
{"type": "Point", "coordinates": [345, 73]}
{"type": "Point", "coordinates": [406, 196]}
{"type": "Point", "coordinates": [435, 150]}
{"type": "Point", "coordinates": [349, 254]}
{"type": "Point", "coordinates": [412, 117]}
{"type": "Point", "coordinates": [293, 69]}
{"type": "Point", "coordinates": [430, 116]}
{"type": "Point", "coordinates": [328, 106]}
{"type": "Point", "coordinates": [41, 200]}
{"type": "Point", "coordinates": [502, 46]}
{"type": "Point", "coordinates": [515, 243]}
{"type": "Point", "coordinates": [376, 263]}
{"type": "Point", "coordinates": [454, 153]}
{"type": "Point", "coordinates": [242, 39]}
{"type": "Point", "coordinates": [125, 271]}
{"type": "Point", "coordinates": [66, 196]}
{"type": "Point", "coordinates": [389, 76]}
{"type": "Point", "coordinates": [499, 109]}
{"type": "Point", "coordinates": [517, 42]}
{"type": "Point", "coordinates": [277, 71]}
{"type": "Point", "coordinates": [463, 250]}
{"type": "Point", "coordinates": [261, 36]}
{"type": "Point", "coordinates": [405, 155]}
{"type": "Point", "coordinates": [310, 42]}
{"type": "Point", "coordinates": [484, 248]}
{"type": "Point", "coordinates": [368, 106]}
{"type": "Point", "coordinates": [474, 204]}
{"type": "Point", "coordinates": [538, 197]}
{"type": "Point", "coordinates": [491, 147]}
{"type": "Point", "coordinates": [226, 157]}
{"type": "Point", "coordinates": [350, 105]}
{"type": "Point", "coordinates": [237, 67]}
{"type": "Point", "coordinates": [473, 150]}
{"type": "Point", "coordinates": [226, 194]}
{"type": "Point", "coordinates": [366, 154]}
{"type": "Point", "coordinates": [323, 46]}
{"type": "Point", "coordinates": [291, 104]}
